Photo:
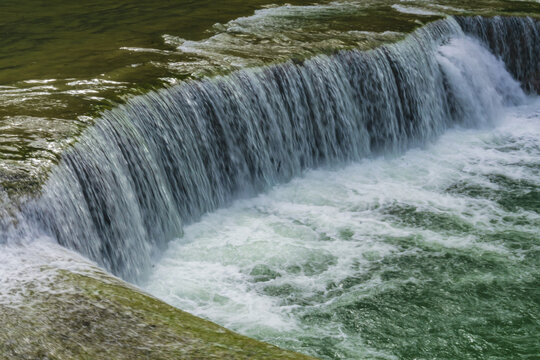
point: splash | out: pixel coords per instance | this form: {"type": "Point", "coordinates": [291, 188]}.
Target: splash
{"type": "Point", "coordinates": [164, 159]}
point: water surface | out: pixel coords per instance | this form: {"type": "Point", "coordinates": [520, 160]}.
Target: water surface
{"type": "Point", "coordinates": [433, 254]}
{"type": "Point", "coordinates": [63, 63]}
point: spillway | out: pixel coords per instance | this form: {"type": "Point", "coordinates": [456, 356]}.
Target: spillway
{"type": "Point", "coordinates": [164, 159]}
{"type": "Point", "coordinates": [155, 186]}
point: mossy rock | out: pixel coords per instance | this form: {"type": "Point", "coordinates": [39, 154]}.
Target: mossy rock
{"type": "Point", "coordinates": [96, 316]}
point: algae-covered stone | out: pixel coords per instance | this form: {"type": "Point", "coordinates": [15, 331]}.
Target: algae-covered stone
{"type": "Point", "coordinates": [73, 313]}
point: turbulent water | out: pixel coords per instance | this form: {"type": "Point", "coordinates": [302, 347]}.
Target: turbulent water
{"type": "Point", "coordinates": [376, 254]}
{"type": "Point", "coordinates": [433, 252]}
{"type": "Point", "coordinates": [168, 157]}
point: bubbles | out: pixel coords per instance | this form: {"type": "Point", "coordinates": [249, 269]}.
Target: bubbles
{"type": "Point", "coordinates": [318, 264]}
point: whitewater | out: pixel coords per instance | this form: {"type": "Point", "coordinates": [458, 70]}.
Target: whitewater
{"type": "Point", "coordinates": [392, 257]}
{"type": "Point", "coordinates": [367, 204]}
{"type": "Point", "coordinates": [416, 236]}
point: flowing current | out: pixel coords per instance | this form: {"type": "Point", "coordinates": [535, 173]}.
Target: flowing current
{"type": "Point", "coordinates": [432, 252]}
{"type": "Point", "coordinates": [340, 262]}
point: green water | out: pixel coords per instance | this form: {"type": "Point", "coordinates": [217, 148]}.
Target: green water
{"type": "Point", "coordinates": [62, 62]}
{"type": "Point", "coordinates": [431, 255]}
{"type": "Point", "coordinates": [434, 254]}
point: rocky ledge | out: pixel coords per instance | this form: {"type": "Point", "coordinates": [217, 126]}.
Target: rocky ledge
{"type": "Point", "coordinates": [59, 306]}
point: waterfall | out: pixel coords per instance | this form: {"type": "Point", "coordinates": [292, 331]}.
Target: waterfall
{"type": "Point", "coordinates": [514, 40]}
{"type": "Point", "coordinates": [164, 159]}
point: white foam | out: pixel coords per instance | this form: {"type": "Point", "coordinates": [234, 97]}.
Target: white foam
{"type": "Point", "coordinates": [415, 10]}
{"type": "Point", "coordinates": [479, 80]}
{"type": "Point", "coordinates": [328, 225]}
{"type": "Point", "coordinates": [32, 267]}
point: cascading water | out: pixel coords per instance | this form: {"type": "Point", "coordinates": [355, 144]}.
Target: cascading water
{"type": "Point", "coordinates": [514, 40]}
{"type": "Point", "coordinates": [168, 157]}
{"type": "Point", "coordinates": [430, 253]}
{"type": "Point", "coordinates": [433, 253]}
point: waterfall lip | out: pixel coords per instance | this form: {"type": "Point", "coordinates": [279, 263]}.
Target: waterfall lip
{"type": "Point", "coordinates": [129, 182]}
{"type": "Point", "coordinates": [147, 156]}
{"type": "Point", "coordinates": [19, 173]}
{"type": "Point", "coordinates": [273, 33]}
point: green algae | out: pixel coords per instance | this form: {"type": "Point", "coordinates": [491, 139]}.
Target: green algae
{"type": "Point", "coordinates": [96, 316]}
{"type": "Point", "coordinates": [65, 63]}
{"type": "Point", "coordinates": [110, 319]}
